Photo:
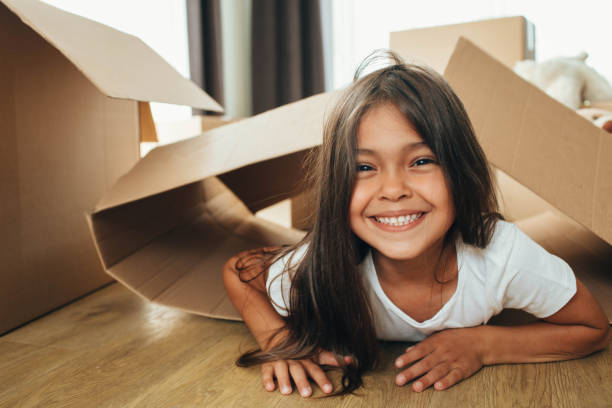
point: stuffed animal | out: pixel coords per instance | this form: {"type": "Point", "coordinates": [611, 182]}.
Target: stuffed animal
{"type": "Point", "coordinates": [568, 80]}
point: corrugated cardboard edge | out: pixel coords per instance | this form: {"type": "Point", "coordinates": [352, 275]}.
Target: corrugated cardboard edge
{"type": "Point", "coordinates": [113, 81]}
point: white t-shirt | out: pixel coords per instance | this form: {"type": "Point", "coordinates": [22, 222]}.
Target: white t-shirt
{"type": "Point", "coordinates": [512, 272]}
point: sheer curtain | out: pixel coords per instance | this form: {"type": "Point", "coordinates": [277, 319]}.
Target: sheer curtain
{"type": "Point", "coordinates": [562, 28]}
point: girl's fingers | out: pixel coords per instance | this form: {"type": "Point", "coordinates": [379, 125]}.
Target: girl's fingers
{"type": "Point", "coordinates": [299, 377]}
{"type": "Point", "coordinates": [453, 377]}
{"type": "Point", "coordinates": [318, 375]}
{"type": "Point", "coordinates": [416, 370]}
{"type": "Point", "coordinates": [329, 358]}
{"type": "Point", "coordinates": [411, 355]}
{"type": "Point", "coordinates": [267, 376]}
{"type": "Point", "coordinates": [281, 371]}
{"type": "Point", "coordinates": [432, 376]}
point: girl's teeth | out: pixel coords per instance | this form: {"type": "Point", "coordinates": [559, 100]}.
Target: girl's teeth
{"type": "Point", "coordinates": [399, 221]}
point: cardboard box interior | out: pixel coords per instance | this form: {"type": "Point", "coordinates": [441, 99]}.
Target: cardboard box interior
{"type": "Point", "coordinates": [72, 120]}
{"type": "Point", "coordinates": [166, 228]}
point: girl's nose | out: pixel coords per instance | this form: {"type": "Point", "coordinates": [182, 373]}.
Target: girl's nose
{"type": "Point", "coordinates": [395, 187]}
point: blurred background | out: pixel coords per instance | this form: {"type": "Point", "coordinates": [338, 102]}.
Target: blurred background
{"type": "Point", "coordinates": [233, 41]}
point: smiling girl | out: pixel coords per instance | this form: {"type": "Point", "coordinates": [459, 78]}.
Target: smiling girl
{"type": "Point", "coordinates": [407, 245]}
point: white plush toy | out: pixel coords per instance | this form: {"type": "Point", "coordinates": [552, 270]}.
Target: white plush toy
{"type": "Point", "coordinates": [568, 80]}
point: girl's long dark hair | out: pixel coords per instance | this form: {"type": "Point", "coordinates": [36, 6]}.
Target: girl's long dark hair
{"type": "Point", "coordinates": [328, 304]}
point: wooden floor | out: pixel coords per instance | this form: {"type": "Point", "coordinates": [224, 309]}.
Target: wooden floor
{"type": "Point", "coordinates": [113, 349]}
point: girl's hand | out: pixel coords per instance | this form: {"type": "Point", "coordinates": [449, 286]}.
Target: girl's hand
{"type": "Point", "coordinates": [443, 359]}
{"type": "Point", "coordinates": [299, 371]}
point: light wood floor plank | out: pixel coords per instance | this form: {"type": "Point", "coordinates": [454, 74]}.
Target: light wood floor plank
{"type": "Point", "coordinates": [114, 349]}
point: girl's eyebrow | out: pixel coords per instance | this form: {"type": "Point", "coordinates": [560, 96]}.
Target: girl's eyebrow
{"type": "Point", "coordinates": [410, 146]}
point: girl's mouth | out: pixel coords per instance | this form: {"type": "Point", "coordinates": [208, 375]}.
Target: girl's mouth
{"type": "Point", "coordinates": [399, 221]}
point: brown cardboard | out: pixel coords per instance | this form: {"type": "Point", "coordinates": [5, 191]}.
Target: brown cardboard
{"type": "Point", "coordinates": [509, 39]}
{"type": "Point", "coordinates": [544, 145]}
{"type": "Point", "coordinates": [148, 133]}
{"type": "Point", "coordinates": [66, 139]}
{"type": "Point", "coordinates": [166, 228]}
{"type": "Point", "coordinates": [118, 64]}
{"type": "Point", "coordinates": [167, 239]}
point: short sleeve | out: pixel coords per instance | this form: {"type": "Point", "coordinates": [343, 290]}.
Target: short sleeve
{"type": "Point", "coordinates": [538, 282]}
{"type": "Point", "coordinates": [278, 282]}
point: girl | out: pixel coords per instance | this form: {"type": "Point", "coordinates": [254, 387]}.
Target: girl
{"type": "Point", "coordinates": [407, 245]}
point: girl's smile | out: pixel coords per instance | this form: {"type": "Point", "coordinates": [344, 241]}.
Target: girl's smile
{"type": "Point", "coordinates": [401, 204]}
{"type": "Point", "coordinates": [398, 221]}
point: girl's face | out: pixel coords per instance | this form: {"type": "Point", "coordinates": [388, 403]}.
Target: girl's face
{"type": "Point", "coordinates": [401, 204]}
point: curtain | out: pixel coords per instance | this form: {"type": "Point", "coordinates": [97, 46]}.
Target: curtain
{"type": "Point", "coordinates": [205, 48]}
{"type": "Point", "coordinates": [287, 52]}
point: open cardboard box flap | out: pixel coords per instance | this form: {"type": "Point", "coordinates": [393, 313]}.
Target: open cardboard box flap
{"type": "Point", "coordinates": [166, 228]}
{"type": "Point", "coordinates": [545, 146]}
{"type": "Point", "coordinates": [118, 64]}
{"type": "Point", "coordinates": [279, 132]}
{"type": "Point", "coordinates": [74, 107]}
{"type": "Point", "coordinates": [168, 240]}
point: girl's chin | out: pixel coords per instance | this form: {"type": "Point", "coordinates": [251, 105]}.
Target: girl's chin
{"type": "Point", "coordinates": [397, 254]}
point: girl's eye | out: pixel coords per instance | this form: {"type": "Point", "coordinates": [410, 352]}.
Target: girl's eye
{"type": "Point", "coordinates": [423, 161]}
{"type": "Point", "coordinates": [364, 167]}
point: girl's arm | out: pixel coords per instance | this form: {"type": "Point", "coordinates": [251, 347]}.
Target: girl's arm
{"type": "Point", "coordinates": [578, 329]}
{"type": "Point", "coordinates": [251, 301]}
{"type": "Point", "coordinates": [445, 358]}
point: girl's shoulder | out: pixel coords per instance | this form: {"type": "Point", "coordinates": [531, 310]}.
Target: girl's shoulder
{"type": "Point", "coordinates": [278, 281]}
{"type": "Point", "coordinates": [505, 233]}
{"type": "Point", "coordinates": [521, 274]}
{"type": "Point", "coordinates": [506, 236]}
{"type": "Point", "coordinates": [509, 247]}
{"type": "Point", "coordinates": [287, 261]}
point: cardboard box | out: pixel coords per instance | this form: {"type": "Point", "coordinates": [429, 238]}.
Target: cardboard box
{"type": "Point", "coordinates": [509, 39]}
{"type": "Point", "coordinates": [74, 106]}
{"type": "Point", "coordinates": [166, 228]}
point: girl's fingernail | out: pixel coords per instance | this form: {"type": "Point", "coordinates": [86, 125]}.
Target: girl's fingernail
{"type": "Point", "coordinates": [306, 392]}
{"type": "Point", "coordinates": [327, 388]}
{"type": "Point", "coordinates": [418, 386]}
{"type": "Point", "coordinates": [286, 390]}
{"type": "Point", "coordinates": [399, 362]}
{"type": "Point", "coordinates": [438, 385]}
{"type": "Point", "coordinates": [269, 386]}
{"type": "Point", "coordinates": [409, 348]}
{"type": "Point", "coordinates": [400, 379]}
